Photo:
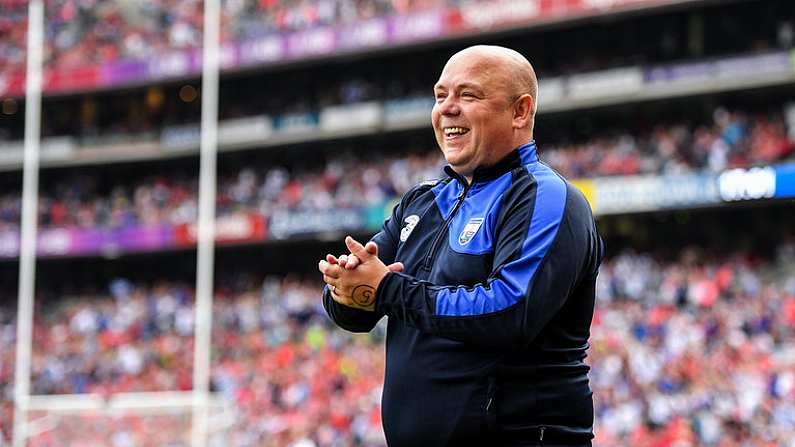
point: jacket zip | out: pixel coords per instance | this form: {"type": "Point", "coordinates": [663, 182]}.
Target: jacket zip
{"type": "Point", "coordinates": [491, 412]}
{"type": "Point", "coordinates": [444, 229]}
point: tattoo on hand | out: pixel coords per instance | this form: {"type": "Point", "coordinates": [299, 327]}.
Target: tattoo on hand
{"type": "Point", "coordinates": [363, 295]}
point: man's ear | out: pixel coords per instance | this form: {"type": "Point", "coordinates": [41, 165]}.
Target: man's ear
{"type": "Point", "coordinates": [523, 111]}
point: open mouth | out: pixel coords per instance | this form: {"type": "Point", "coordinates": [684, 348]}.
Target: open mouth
{"type": "Point", "coordinates": [454, 132]}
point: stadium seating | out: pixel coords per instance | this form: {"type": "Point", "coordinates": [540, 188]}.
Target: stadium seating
{"type": "Point", "coordinates": [665, 333]}
{"type": "Point", "coordinates": [735, 139]}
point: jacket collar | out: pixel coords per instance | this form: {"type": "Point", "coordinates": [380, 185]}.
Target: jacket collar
{"type": "Point", "coordinates": [524, 154]}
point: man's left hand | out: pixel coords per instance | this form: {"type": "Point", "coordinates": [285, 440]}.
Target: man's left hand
{"type": "Point", "coordinates": [355, 284]}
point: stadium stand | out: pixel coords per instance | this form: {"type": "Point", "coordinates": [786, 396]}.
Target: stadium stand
{"type": "Point", "coordinates": [97, 31]}
{"type": "Point", "coordinates": [135, 114]}
{"type": "Point", "coordinates": [690, 349]}
{"type": "Point", "coordinates": [734, 139]}
{"type": "Point", "coordinates": [673, 116]}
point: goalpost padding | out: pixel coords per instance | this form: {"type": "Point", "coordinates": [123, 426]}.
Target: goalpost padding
{"type": "Point", "coordinates": [125, 419]}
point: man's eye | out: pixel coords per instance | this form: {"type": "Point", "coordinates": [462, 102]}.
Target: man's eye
{"type": "Point", "coordinates": [440, 98]}
{"type": "Point", "coordinates": [467, 95]}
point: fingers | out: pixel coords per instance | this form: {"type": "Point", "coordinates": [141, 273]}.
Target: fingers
{"type": "Point", "coordinates": [339, 292]}
{"type": "Point", "coordinates": [339, 297]}
{"type": "Point", "coordinates": [332, 282]}
{"type": "Point", "coordinates": [330, 270]}
{"type": "Point", "coordinates": [353, 261]}
{"type": "Point", "coordinates": [395, 267]}
{"type": "Point", "coordinates": [371, 248]}
{"type": "Point", "coordinates": [357, 249]}
{"type": "Point", "coordinates": [333, 267]}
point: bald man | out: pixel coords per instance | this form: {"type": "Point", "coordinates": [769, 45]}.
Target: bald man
{"type": "Point", "coordinates": [487, 277]}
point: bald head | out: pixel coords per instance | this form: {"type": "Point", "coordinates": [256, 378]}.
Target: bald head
{"type": "Point", "coordinates": [506, 66]}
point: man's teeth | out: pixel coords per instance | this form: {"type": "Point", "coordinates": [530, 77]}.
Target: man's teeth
{"type": "Point", "coordinates": [455, 130]}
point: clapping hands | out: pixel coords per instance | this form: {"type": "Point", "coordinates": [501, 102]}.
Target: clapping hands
{"type": "Point", "coordinates": [353, 279]}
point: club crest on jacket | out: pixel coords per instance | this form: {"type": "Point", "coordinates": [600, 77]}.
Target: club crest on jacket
{"type": "Point", "coordinates": [469, 230]}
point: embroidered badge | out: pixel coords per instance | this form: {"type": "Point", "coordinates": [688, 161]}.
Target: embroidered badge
{"type": "Point", "coordinates": [411, 222]}
{"type": "Point", "coordinates": [469, 230]}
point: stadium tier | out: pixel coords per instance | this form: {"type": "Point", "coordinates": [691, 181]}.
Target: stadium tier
{"type": "Point", "coordinates": [103, 44]}
{"type": "Point", "coordinates": [269, 201]}
{"type": "Point", "coordinates": [288, 103]}
{"type": "Point", "coordinates": [674, 118]}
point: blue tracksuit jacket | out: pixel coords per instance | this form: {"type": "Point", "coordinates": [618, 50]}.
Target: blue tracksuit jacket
{"type": "Point", "coordinates": [489, 323]}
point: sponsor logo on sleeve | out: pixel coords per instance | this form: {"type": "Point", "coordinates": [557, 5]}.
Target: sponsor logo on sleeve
{"type": "Point", "coordinates": [411, 222]}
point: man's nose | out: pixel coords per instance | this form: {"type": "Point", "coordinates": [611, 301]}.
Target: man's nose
{"type": "Point", "coordinates": [449, 106]}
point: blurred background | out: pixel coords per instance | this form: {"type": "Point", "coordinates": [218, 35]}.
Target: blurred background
{"type": "Point", "coordinates": [676, 118]}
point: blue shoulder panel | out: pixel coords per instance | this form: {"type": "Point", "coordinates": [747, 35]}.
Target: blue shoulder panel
{"type": "Point", "coordinates": [511, 284]}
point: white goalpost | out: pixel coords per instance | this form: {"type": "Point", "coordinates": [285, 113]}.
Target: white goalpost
{"type": "Point", "coordinates": [154, 418]}
{"type": "Point", "coordinates": [27, 245]}
{"type": "Point", "coordinates": [195, 417]}
{"type": "Point", "coordinates": [206, 228]}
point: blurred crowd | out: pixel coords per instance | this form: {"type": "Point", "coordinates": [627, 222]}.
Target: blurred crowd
{"type": "Point", "coordinates": [695, 352]}
{"type": "Point", "coordinates": [86, 32]}
{"type": "Point", "coordinates": [79, 201]}
{"type": "Point", "coordinates": [289, 374]}
{"type": "Point", "coordinates": [732, 139]}
{"type": "Point", "coordinates": [80, 32]}
{"type": "Point", "coordinates": [690, 351]}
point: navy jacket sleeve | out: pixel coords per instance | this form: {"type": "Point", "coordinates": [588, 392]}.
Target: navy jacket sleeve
{"type": "Point", "coordinates": [357, 320]}
{"type": "Point", "coordinates": [546, 245]}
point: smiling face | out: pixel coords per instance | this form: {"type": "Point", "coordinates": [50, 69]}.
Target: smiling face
{"type": "Point", "coordinates": [474, 117]}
